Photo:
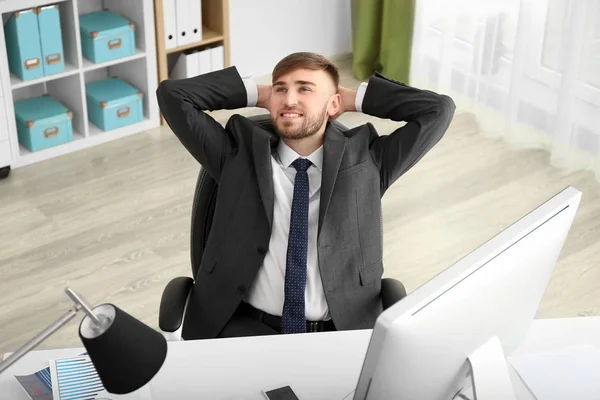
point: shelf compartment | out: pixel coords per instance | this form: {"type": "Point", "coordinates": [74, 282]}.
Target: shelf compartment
{"type": "Point", "coordinates": [215, 31]}
{"type": "Point", "coordinates": [66, 10]}
{"type": "Point", "coordinates": [67, 91]}
{"type": "Point", "coordinates": [133, 72]}
{"type": "Point", "coordinates": [129, 9]}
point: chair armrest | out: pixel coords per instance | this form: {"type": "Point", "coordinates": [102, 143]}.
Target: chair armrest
{"type": "Point", "coordinates": [392, 291]}
{"type": "Point", "coordinates": [173, 302]}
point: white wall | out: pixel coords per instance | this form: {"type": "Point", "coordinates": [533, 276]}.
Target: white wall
{"type": "Point", "coordinates": [264, 31]}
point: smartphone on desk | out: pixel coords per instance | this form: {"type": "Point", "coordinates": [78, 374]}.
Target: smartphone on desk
{"type": "Point", "coordinates": [282, 393]}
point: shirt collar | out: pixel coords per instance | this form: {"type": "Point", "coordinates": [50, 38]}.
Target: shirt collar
{"type": "Point", "coordinates": [287, 155]}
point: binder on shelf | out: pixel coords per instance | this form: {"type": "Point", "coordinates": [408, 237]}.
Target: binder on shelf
{"type": "Point", "coordinates": [186, 66]}
{"type": "Point", "coordinates": [204, 61]}
{"type": "Point", "coordinates": [195, 20]}
{"type": "Point", "coordinates": [170, 24]}
{"type": "Point", "coordinates": [217, 58]}
{"type": "Point", "coordinates": [197, 62]}
{"type": "Point", "coordinates": [51, 40]}
{"type": "Point", "coordinates": [23, 45]}
{"type": "Point", "coordinates": [183, 22]}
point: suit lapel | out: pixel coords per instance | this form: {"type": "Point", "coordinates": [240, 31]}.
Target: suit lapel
{"type": "Point", "coordinates": [333, 151]}
{"type": "Point", "coordinates": [262, 142]}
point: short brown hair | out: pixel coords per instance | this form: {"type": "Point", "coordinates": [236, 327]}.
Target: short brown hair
{"type": "Point", "coordinates": [306, 60]}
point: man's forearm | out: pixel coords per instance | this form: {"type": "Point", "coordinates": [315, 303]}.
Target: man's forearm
{"type": "Point", "coordinates": [427, 115]}
{"type": "Point", "coordinates": [183, 102]}
{"type": "Point", "coordinates": [217, 90]}
{"type": "Point", "coordinates": [399, 102]}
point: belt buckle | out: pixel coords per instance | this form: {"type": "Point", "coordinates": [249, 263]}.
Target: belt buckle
{"type": "Point", "coordinates": [313, 326]}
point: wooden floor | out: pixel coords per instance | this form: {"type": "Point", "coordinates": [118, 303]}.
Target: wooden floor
{"type": "Point", "coordinates": [113, 223]}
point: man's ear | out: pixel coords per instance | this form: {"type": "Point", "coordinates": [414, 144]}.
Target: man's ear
{"type": "Point", "coordinates": [336, 104]}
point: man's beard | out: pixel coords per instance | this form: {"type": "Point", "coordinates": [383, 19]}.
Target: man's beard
{"type": "Point", "coordinates": [293, 130]}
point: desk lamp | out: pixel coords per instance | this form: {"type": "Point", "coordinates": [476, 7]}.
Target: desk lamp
{"type": "Point", "coordinates": [125, 352]}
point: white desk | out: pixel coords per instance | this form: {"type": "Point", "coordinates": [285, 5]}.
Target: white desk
{"type": "Point", "coordinates": [317, 366]}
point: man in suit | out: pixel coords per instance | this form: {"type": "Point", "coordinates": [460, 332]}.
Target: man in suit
{"type": "Point", "coordinates": [296, 239]}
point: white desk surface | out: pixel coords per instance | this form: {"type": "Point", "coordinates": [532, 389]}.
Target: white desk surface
{"type": "Point", "coordinates": [316, 365]}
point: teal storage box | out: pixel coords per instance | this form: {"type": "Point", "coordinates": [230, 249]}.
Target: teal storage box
{"type": "Point", "coordinates": [23, 47]}
{"type": "Point", "coordinates": [42, 122]}
{"type": "Point", "coordinates": [51, 40]}
{"type": "Point", "coordinates": [113, 103]}
{"type": "Point", "coordinates": [106, 36]}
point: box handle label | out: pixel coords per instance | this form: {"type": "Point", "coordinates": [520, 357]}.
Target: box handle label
{"type": "Point", "coordinates": [114, 44]}
{"type": "Point", "coordinates": [32, 63]}
{"type": "Point", "coordinates": [53, 58]}
{"type": "Point", "coordinates": [123, 112]}
{"type": "Point", "coordinates": [51, 132]}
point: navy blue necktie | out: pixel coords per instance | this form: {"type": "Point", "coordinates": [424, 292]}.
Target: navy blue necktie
{"type": "Point", "coordinates": [293, 319]}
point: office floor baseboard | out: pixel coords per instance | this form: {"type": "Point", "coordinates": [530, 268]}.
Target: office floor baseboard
{"type": "Point", "coordinates": [113, 223]}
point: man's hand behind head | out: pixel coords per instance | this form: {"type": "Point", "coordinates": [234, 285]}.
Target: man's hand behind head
{"type": "Point", "coordinates": [264, 96]}
{"type": "Point", "coordinates": [348, 97]}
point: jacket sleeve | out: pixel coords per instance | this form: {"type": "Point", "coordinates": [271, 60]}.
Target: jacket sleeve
{"type": "Point", "coordinates": [427, 116]}
{"type": "Point", "coordinates": [184, 102]}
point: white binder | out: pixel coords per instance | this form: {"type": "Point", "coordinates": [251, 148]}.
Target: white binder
{"type": "Point", "coordinates": [186, 66]}
{"type": "Point", "coordinates": [170, 24]}
{"type": "Point", "coordinates": [204, 61]}
{"type": "Point", "coordinates": [184, 22]}
{"type": "Point", "coordinates": [195, 20]}
{"type": "Point", "coordinates": [217, 57]}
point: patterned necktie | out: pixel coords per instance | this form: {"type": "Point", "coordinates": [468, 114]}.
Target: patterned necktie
{"type": "Point", "coordinates": [293, 319]}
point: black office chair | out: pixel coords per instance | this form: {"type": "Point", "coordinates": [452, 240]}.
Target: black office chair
{"type": "Point", "coordinates": [175, 295]}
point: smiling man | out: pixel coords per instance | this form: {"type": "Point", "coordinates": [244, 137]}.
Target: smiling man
{"type": "Point", "coordinates": [296, 240]}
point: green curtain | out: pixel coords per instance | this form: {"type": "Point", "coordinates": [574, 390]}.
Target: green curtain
{"type": "Point", "coordinates": [382, 32]}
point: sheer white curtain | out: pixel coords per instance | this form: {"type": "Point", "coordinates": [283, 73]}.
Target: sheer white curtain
{"type": "Point", "coordinates": [529, 70]}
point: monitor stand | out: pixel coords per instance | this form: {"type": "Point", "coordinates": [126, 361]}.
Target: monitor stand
{"type": "Point", "coordinates": [489, 374]}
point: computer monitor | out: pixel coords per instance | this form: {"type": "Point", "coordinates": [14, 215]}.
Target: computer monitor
{"type": "Point", "coordinates": [456, 330]}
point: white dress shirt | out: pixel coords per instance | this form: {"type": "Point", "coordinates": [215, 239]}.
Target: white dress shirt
{"type": "Point", "coordinates": [267, 292]}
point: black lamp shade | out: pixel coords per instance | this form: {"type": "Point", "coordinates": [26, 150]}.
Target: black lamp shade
{"type": "Point", "coordinates": [126, 353]}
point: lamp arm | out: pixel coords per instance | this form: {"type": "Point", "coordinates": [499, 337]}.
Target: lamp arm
{"type": "Point", "coordinates": [59, 323]}
{"type": "Point", "coordinates": [43, 335]}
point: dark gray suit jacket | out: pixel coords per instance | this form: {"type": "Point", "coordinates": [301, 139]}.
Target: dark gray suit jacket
{"type": "Point", "coordinates": [358, 167]}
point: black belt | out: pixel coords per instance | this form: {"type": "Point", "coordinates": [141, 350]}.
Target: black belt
{"type": "Point", "coordinates": [275, 322]}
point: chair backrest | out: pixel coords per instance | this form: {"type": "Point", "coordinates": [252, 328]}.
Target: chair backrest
{"type": "Point", "coordinates": [205, 198]}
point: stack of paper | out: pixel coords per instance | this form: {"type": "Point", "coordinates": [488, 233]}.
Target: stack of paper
{"type": "Point", "coordinates": [561, 374]}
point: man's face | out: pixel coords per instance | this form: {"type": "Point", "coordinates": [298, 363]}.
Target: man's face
{"type": "Point", "coordinates": [301, 103]}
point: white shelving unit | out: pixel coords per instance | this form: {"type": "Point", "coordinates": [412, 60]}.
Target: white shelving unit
{"type": "Point", "coordinates": [68, 87]}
